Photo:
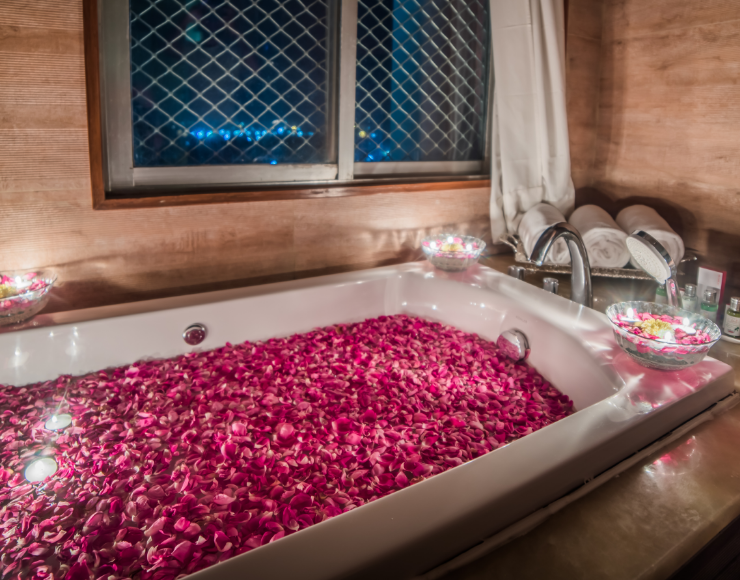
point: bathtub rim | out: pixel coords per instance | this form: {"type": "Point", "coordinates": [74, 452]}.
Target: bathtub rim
{"type": "Point", "coordinates": [477, 277]}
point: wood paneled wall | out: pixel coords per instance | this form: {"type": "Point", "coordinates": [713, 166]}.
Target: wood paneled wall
{"type": "Point", "coordinates": [583, 50]}
{"type": "Point", "coordinates": [654, 117]}
{"type": "Point", "coordinates": [668, 118]}
{"type": "Point", "coordinates": [106, 257]}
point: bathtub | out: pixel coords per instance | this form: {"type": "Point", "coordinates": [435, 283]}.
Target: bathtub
{"type": "Point", "coordinates": [621, 407]}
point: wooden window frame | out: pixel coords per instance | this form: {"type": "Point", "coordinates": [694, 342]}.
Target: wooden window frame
{"type": "Point", "coordinates": [179, 195]}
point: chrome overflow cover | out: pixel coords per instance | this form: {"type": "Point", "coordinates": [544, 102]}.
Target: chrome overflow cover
{"type": "Point", "coordinates": [513, 344]}
{"type": "Point", "coordinates": [195, 334]}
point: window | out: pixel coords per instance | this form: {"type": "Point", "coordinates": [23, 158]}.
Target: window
{"type": "Point", "coordinates": [421, 82]}
{"type": "Point", "coordinates": [219, 84]}
{"type": "Point", "coordinates": [237, 92]}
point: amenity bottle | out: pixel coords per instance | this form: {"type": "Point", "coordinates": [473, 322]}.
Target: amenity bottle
{"type": "Point", "coordinates": [732, 318]}
{"type": "Point", "coordinates": [709, 306]}
{"type": "Point", "coordinates": [661, 296]}
{"type": "Point", "coordinates": [689, 299]}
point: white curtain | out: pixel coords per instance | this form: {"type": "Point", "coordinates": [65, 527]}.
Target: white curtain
{"type": "Point", "coordinates": [530, 149]}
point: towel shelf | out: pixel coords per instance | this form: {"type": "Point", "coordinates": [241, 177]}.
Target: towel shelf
{"type": "Point", "coordinates": [629, 272]}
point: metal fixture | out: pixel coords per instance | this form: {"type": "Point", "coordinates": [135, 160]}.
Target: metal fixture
{"type": "Point", "coordinates": [195, 334]}
{"type": "Point", "coordinates": [516, 272]}
{"type": "Point", "coordinates": [513, 344]}
{"type": "Point", "coordinates": [551, 285]}
{"type": "Point", "coordinates": [652, 257]}
{"type": "Point", "coordinates": [580, 277]}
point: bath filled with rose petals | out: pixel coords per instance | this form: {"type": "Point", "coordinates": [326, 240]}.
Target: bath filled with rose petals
{"type": "Point", "coordinates": [173, 465]}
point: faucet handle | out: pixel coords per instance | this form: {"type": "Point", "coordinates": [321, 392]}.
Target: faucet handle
{"type": "Point", "coordinates": [516, 272]}
{"type": "Point", "coordinates": [551, 285]}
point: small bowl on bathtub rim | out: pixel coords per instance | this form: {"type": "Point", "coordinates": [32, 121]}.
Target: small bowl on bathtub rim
{"type": "Point", "coordinates": [23, 294]}
{"type": "Point", "coordinates": [660, 354]}
{"type": "Point", "coordinates": [452, 252]}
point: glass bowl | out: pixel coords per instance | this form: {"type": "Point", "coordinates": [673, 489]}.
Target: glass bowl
{"type": "Point", "coordinates": [452, 261]}
{"type": "Point", "coordinates": [24, 294]}
{"type": "Point", "coordinates": [659, 354]}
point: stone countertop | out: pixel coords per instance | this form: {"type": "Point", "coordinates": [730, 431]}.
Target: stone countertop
{"type": "Point", "coordinates": [650, 520]}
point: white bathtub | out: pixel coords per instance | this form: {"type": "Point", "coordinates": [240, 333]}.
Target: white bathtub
{"type": "Point", "coordinates": [621, 406]}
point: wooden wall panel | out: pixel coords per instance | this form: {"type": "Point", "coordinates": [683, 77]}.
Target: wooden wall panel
{"type": "Point", "coordinates": [29, 154]}
{"type": "Point", "coordinates": [669, 118]}
{"type": "Point", "coordinates": [105, 257]}
{"type": "Point", "coordinates": [633, 18]}
{"type": "Point", "coordinates": [28, 39]}
{"type": "Point", "coordinates": [41, 79]}
{"type": "Point", "coordinates": [373, 231]}
{"type": "Point", "coordinates": [46, 14]}
{"type": "Point", "coordinates": [582, 85]}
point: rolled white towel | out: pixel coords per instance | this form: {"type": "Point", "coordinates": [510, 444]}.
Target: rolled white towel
{"type": "Point", "coordinates": [536, 221]}
{"type": "Point", "coordinates": [642, 217]}
{"type": "Point", "coordinates": [603, 238]}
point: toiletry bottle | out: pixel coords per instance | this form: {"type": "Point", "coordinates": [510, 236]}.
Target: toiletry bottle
{"type": "Point", "coordinates": [661, 296]}
{"type": "Point", "coordinates": [689, 300]}
{"type": "Point", "coordinates": [732, 318]}
{"type": "Point", "coordinates": [708, 307]}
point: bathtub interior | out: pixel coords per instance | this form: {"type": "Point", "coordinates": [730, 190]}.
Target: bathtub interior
{"type": "Point", "coordinates": [75, 349]}
{"type": "Point", "coordinates": [559, 356]}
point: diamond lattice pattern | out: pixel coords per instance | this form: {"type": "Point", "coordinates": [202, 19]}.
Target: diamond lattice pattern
{"type": "Point", "coordinates": [229, 81]}
{"type": "Point", "coordinates": [421, 80]}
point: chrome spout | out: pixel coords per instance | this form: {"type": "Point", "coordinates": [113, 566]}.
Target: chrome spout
{"type": "Point", "coordinates": [580, 277]}
{"type": "Point", "coordinates": [652, 257]}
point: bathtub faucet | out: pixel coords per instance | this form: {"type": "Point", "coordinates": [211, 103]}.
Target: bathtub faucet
{"type": "Point", "coordinates": [580, 277]}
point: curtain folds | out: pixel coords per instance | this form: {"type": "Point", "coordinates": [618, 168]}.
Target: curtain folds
{"type": "Point", "coordinates": [530, 150]}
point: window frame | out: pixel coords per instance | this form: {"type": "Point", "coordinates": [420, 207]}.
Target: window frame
{"type": "Point", "coordinates": [117, 183]}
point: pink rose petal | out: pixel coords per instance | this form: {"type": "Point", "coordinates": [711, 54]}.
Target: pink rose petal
{"type": "Point", "coordinates": [155, 527]}
{"type": "Point", "coordinates": [183, 551]}
{"type": "Point", "coordinates": [222, 499]}
{"type": "Point", "coordinates": [284, 431]}
{"type": "Point", "coordinates": [222, 542]}
{"type": "Point", "coordinates": [79, 571]}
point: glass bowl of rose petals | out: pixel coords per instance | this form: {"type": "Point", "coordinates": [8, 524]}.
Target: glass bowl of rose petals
{"type": "Point", "coordinates": [452, 252]}
{"type": "Point", "coordinates": [662, 337]}
{"type": "Point", "coordinates": [24, 294]}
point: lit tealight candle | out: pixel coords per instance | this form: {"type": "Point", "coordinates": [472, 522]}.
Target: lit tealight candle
{"type": "Point", "coordinates": [631, 317]}
{"type": "Point", "coordinates": [40, 469]}
{"type": "Point", "coordinates": [58, 422]}
{"type": "Point", "coordinates": [690, 330]}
